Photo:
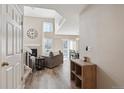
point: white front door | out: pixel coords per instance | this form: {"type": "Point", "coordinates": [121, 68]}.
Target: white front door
{"type": "Point", "coordinates": [11, 45]}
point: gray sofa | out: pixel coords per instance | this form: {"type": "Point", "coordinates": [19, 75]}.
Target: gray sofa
{"type": "Point", "coordinates": [54, 59]}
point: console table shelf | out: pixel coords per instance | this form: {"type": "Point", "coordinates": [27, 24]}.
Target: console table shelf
{"type": "Point", "coordinates": [83, 74]}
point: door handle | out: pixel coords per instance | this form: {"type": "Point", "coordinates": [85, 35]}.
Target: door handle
{"type": "Point", "coordinates": [4, 64]}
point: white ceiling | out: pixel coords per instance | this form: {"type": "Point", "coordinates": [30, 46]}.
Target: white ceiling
{"type": "Point", "coordinates": [39, 12]}
{"type": "Point", "coordinates": [69, 11]}
{"type": "Point", "coordinates": [45, 13]}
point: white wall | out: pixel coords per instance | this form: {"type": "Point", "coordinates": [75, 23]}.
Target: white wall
{"type": "Point", "coordinates": [0, 42]}
{"type": "Point", "coordinates": [0, 33]}
{"type": "Point", "coordinates": [102, 29]}
{"type": "Point", "coordinates": [70, 26]}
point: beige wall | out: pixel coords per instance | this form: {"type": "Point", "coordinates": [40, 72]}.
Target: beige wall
{"type": "Point", "coordinates": [57, 45]}
{"type": "Point", "coordinates": [37, 23]}
{"type": "Point", "coordinates": [33, 22]}
{"type": "Point", "coordinates": [102, 29]}
{"type": "Point", "coordinates": [58, 40]}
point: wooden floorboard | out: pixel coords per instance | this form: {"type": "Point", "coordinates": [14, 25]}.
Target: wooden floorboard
{"type": "Point", "coordinates": [56, 78]}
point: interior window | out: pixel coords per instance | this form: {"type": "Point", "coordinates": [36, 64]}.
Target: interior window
{"type": "Point", "coordinates": [47, 27]}
{"type": "Point", "coordinates": [47, 45]}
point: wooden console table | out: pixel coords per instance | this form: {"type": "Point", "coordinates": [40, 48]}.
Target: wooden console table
{"type": "Point", "coordinates": [83, 74]}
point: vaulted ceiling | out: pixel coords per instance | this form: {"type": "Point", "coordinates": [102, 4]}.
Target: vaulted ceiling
{"type": "Point", "coordinates": [70, 12]}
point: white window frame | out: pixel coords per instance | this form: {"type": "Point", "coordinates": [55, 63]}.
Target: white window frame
{"type": "Point", "coordinates": [46, 26]}
{"type": "Point", "coordinates": [45, 49]}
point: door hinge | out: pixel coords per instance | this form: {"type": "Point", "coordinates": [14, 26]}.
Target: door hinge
{"type": "Point", "coordinates": [21, 50]}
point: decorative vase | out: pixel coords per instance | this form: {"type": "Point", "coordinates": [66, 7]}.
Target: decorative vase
{"type": "Point", "coordinates": [85, 59]}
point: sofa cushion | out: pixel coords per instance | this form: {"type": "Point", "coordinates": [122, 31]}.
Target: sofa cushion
{"type": "Point", "coordinates": [55, 53]}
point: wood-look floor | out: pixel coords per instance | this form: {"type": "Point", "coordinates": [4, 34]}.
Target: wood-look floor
{"type": "Point", "coordinates": [56, 78]}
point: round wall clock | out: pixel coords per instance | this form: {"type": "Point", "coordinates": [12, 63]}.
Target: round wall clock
{"type": "Point", "coordinates": [32, 33]}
